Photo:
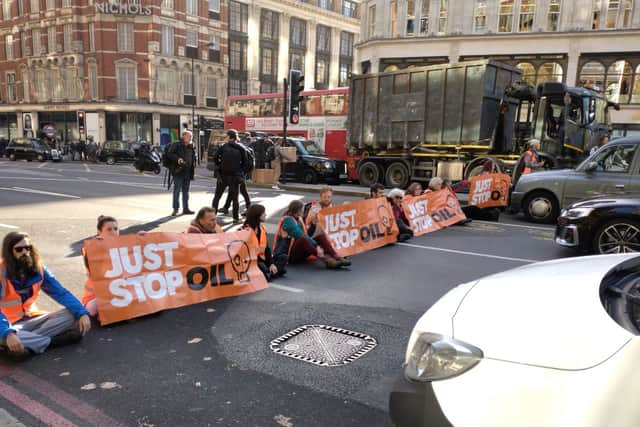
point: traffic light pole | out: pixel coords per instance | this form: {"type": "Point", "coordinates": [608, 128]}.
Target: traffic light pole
{"type": "Point", "coordinates": [285, 111]}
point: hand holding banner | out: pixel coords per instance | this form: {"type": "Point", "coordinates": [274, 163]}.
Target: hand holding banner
{"type": "Point", "coordinates": [489, 190]}
{"type": "Point", "coordinates": [359, 226]}
{"type": "Point", "coordinates": [136, 275]}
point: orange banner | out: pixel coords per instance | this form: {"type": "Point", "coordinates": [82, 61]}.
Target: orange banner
{"type": "Point", "coordinates": [359, 226]}
{"type": "Point", "coordinates": [432, 211]}
{"type": "Point", "coordinates": [136, 275]}
{"type": "Point", "coordinates": [489, 190]}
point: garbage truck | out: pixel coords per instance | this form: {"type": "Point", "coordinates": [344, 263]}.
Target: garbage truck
{"type": "Point", "coordinates": [449, 120]}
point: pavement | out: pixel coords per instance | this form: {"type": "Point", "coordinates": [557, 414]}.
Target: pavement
{"type": "Point", "coordinates": [210, 363]}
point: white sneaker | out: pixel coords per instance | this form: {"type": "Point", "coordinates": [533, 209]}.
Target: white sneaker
{"type": "Point", "coordinates": [275, 187]}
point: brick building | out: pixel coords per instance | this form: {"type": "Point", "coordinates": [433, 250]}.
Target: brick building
{"type": "Point", "coordinates": [269, 37]}
{"type": "Point", "coordinates": [127, 66]}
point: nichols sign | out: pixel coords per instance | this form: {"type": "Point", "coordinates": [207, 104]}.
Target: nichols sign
{"type": "Point", "coordinates": [123, 9]}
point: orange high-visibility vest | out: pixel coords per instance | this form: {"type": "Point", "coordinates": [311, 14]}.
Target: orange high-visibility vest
{"type": "Point", "coordinates": [532, 159]}
{"type": "Point", "coordinates": [261, 244]}
{"type": "Point", "coordinates": [281, 233]}
{"type": "Point", "coordinates": [11, 303]}
{"type": "Point", "coordinates": [89, 288]}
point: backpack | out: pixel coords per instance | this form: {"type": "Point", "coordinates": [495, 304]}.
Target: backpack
{"type": "Point", "coordinates": [271, 153]}
{"type": "Point", "coordinates": [249, 160]}
{"type": "Point", "coordinates": [166, 161]}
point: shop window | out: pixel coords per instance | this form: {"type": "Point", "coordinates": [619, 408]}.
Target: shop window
{"type": "Point", "coordinates": [550, 72]}
{"type": "Point", "coordinates": [618, 82]}
{"type": "Point", "coordinates": [592, 76]}
{"type": "Point", "coordinates": [635, 95]}
{"type": "Point", "coordinates": [528, 72]}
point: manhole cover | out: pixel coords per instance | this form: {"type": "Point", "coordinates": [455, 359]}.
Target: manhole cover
{"type": "Point", "coordinates": [323, 345]}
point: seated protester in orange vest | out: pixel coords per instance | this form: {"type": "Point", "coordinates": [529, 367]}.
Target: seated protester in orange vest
{"type": "Point", "coordinates": [375, 191]}
{"type": "Point", "coordinates": [435, 184]}
{"type": "Point", "coordinates": [205, 222]}
{"type": "Point", "coordinates": [271, 265]}
{"type": "Point", "coordinates": [292, 239]}
{"type": "Point", "coordinates": [23, 328]}
{"type": "Point", "coordinates": [107, 227]}
{"type": "Point", "coordinates": [405, 232]}
{"type": "Point", "coordinates": [414, 190]}
{"type": "Point", "coordinates": [532, 160]}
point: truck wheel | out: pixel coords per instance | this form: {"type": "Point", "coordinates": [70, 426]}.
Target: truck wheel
{"type": "Point", "coordinates": [369, 173]}
{"type": "Point", "coordinates": [541, 207]}
{"type": "Point", "coordinates": [476, 165]}
{"type": "Point", "coordinates": [397, 175]}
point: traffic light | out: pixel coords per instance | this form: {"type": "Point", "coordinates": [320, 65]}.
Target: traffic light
{"type": "Point", "coordinates": [296, 84]}
{"type": "Point", "coordinates": [81, 125]}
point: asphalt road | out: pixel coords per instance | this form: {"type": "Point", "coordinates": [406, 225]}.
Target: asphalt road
{"type": "Point", "coordinates": [145, 372]}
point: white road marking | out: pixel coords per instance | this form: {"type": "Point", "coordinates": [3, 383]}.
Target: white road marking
{"type": "Point", "coordinates": [42, 165]}
{"type": "Point", "coordinates": [505, 258]}
{"type": "Point", "coordinates": [8, 420]}
{"type": "Point", "coordinates": [86, 167]}
{"type": "Point", "coordinates": [286, 288]}
{"type": "Point", "coordinates": [13, 227]}
{"type": "Point", "coordinates": [533, 227]}
{"type": "Point", "coordinates": [29, 190]}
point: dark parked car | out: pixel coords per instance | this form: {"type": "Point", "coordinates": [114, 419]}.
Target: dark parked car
{"type": "Point", "coordinates": [602, 225]}
{"type": "Point", "coordinates": [117, 151]}
{"type": "Point", "coordinates": [313, 165]}
{"type": "Point", "coordinates": [31, 149]}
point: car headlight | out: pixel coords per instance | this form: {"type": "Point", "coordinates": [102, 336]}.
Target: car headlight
{"type": "Point", "coordinates": [577, 212]}
{"type": "Point", "coordinates": [435, 357]}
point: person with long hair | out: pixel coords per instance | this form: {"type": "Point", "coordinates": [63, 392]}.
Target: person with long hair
{"type": "Point", "coordinates": [271, 265]}
{"type": "Point", "coordinates": [23, 328]}
{"type": "Point", "coordinates": [414, 190]}
{"type": "Point", "coordinates": [292, 239]}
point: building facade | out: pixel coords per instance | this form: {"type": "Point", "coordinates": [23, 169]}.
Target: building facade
{"type": "Point", "coordinates": [118, 70]}
{"type": "Point", "coordinates": [267, 38]}
{"type": "Point", "coordinates": [592, 43]}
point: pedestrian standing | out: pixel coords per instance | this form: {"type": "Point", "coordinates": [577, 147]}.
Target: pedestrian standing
{"type": "Point", "coordinates": [182, 157]}
{"type": "Point", "coordinates": [532, 162]}
{"type": "Point", "coordinates": [23, 328]}
{"type": "Point", "coordinates": [275, 159]}
{"type": "Point", "coordinates": [231, 159]}
{"type": "Point", "coordinates": [72, 147]}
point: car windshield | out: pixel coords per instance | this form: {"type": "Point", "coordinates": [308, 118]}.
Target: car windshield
{"type": "Point", "coordinates": [309, 147]}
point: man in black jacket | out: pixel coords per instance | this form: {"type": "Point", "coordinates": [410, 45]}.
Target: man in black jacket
{"type": "Point", "coordinates": [231, 159]}
{"type": "Point", "coordinates": [183, 160]}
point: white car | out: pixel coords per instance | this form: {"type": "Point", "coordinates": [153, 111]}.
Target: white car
{"type": "Point", "coordinates": [551, 344]}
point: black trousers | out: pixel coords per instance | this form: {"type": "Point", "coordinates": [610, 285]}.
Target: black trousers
{"type": "Point", "coordinates": [231, 182]}
{"type": "Point", "coordinates": [245, 196]}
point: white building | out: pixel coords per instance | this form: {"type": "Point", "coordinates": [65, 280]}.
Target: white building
{"type": "Point", "coordinates": [593, 43]}
{"type": "Point", "coordinates": [269, 37]}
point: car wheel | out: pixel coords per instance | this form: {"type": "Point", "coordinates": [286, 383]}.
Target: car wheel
{"type": "Point", "coordinates": [40, 158]}
{"type": "Point", "coordinates": [310, 177]}
{"type": "Point", "coordinates": [397, 175]}
{"type": "Point", "coordinates": [12, 157]}
{"type": "Point", "coordinates": [157, 170]}
{"type": "Point", "coordinates": [111, 160]}
{"type": "Point", "coordinates": [541, 207]}
{"type": "Point", "coordinates": [617, 237]}
{"type": "Point", "coordinates": [369, 173]}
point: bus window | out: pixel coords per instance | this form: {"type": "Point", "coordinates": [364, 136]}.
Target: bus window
{"type": "Point", "coordinates": [312, 105]}
{"type": "Point", "coordinates": [278, 110]}
{"type": "Point", "coordinates": [267, 108]}
{"type": "Point", "coordinates": [334, 104]}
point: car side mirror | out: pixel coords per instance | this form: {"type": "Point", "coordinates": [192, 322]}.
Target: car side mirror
{"type": "Point", "coordinates": [591, 167]}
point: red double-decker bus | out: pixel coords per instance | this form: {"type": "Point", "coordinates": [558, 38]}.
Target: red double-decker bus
{"type": "Point", "coordinates": [323, 119]}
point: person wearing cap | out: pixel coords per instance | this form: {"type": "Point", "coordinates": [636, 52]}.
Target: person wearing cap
{"type": "Point", "coordinates": [231, 159]}
{"type": "Point", "coordinates": [183, 159]}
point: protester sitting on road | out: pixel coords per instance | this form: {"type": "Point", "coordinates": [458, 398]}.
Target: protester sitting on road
{"type": "Point", "coordinates": [435, 184]}
{"type": "Point", "coordinates": [312, 208]}
{"type": "Point", "coordinates": [205, 222]}
{"type": "Point", "coordinates": [272, 266]}
{"type": "Point", "coordinates": [487, 214]}
{"type": "Point", "coordinates": [292, 239]}
{"type": "Point", "coordinates": [23, 328]}
{"type": "Point", "coordinates": [375, 191]}
{"type": "Point", "coordinates": [395, 196]}
{"type": "Point", "coordinates": [414, 190]}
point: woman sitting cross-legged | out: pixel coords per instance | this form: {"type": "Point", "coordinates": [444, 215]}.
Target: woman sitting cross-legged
{"type": "Point", "coordinates": [272, 266]}
{"type": "Point", "coordinates": [292, 239]}
{"type": "Point", "coordinates": [395, 197]}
